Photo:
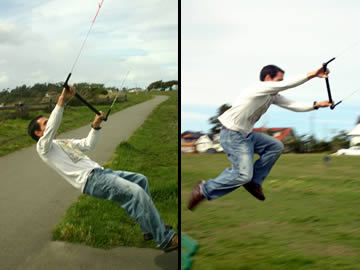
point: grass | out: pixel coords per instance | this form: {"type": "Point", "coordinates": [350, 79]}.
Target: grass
{"type": "Point", "coordinates": [13, 132]}
{"type": "Point", "coordinates": [309, 219]}
{"type": "Point", "coordinates": [152, 151]}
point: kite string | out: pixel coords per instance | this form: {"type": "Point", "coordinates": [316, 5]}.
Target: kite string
{"type": "Point", "coordinates": [347, 48]}
{"type": "Point", "coordinates": [87, 35]}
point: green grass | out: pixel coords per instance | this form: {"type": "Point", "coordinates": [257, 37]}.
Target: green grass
{"type": "Point", "coordinates": [151, 150]}
{"type": "Point", "coordinates": [13, 133]}
{"type": "Point", "coordinates": [309, 220]}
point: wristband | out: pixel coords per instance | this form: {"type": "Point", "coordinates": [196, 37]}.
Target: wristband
{"type": "Point", "coordinates": [314, 106]}
{"type": "Point", "coordinates": [96, 128]}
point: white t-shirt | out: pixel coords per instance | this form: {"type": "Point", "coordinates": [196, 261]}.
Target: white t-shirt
{"type": "Point", "coordinates": [66, 157]}
{"type": "Point", "coordinates": [254, 101]}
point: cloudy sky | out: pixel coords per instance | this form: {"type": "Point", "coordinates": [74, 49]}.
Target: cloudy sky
{"type": "Point", "coordinates": [226, 43]}
{"type": "Point", "coordinates": [40, 39]}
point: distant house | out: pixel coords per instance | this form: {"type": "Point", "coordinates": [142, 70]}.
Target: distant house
{"type": "Point", "coordinates": [172, 88]}
{"type": "Point", "coordinates": [52, 95]}
{"type": "Point", "coordinates": [354, 149]}
{"type": "Point", "coordinates": [188, 140]}
{"type": "Point", "coordinates": [205, 143]}
{"type": "Point", "coordinates": [355, 136]}
{"type": "Point", "coordinates": [209, 143]}
{"type": "Point", "coordinates": [282, 134]}
{"type": "Point", "coordinates": [134, 90]}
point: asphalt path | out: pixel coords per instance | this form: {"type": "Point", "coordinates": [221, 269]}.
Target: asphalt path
{"type": "Point", "coordinates": [33, 199]}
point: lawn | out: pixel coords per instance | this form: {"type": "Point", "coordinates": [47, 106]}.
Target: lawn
{"type": "Point", "coordinates": [309, 219]}
{"type": "Point", "coordinates": [153, 151]}
{"type": "Point", "coordinates": [13, 132]}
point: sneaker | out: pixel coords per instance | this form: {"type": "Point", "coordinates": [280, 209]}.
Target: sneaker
{"type": "Point", "coordinates": [173, 244]}
{"type": "Point", "coordinates": [255, 190]}
{"type": "Point", "coordinates": [196, 196]}
{"type": "Point", "coordinates": [149, 236]}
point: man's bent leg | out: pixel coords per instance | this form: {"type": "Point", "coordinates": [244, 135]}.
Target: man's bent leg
{"type": "Point", "coordinates": [142, 181]}
{"type": "Point", "coordinates": [240, 153]}
{"type": "Point", "coordinates": [269, 150]}
{"type": "Point", "coordinates": [104, 184]}
{"type": "Point", "coordinates": [136, 178]}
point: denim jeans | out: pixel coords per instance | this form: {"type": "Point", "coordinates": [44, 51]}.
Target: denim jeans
{"type": "Point", "coordinates": [131, 191]}
{"type": "Point", "coordinates": [240, 151]}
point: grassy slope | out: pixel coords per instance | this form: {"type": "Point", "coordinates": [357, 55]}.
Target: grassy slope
{"type": "Point", "coordinates": [13, 133]}
{"type": "Point", "coordinates": [309, 220]}
{"type": "Point", "coordinates": [152, 151]}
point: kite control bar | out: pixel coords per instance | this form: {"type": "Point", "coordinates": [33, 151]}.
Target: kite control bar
{"type": "Point", "coordinates": [328, 84]}
{"type": "Point", "coordinates": [81, 98]}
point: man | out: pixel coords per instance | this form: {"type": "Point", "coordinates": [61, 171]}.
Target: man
{"type": "Point", "coordinates": [129, 189]}
{"type": "Point", "coordinates": [240, 143]}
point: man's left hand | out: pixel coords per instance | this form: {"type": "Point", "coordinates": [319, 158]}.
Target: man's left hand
{"type": "Point", "coordinates": [98, 119]}
{"type": "Point", "coordinates": [322, 104]}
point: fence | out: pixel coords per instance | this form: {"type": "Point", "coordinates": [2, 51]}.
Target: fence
{"type": "Point", "coordinates": [22, 110]}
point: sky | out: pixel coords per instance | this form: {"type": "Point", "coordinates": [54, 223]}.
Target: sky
{"type": "Point", "coordinates": [40, 39]}
{"type": "Point", "coordinates": [224, 45]}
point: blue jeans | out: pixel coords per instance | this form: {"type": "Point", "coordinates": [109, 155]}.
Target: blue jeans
{"type": "Point", "coordinates": [131, 191]}
{"type": "Point", "coordinates": [240, 151]}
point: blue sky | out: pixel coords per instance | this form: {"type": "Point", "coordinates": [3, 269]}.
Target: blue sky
{"type": "Point", "coordinates": [225, 44]}
{"type": "Point", "coordinates": [39, 41]}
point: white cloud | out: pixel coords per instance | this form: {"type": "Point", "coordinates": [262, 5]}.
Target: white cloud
{"type": "Point", "coordinates": [225, 45]}
{"type": "Point", "coordinates": [44, 38]}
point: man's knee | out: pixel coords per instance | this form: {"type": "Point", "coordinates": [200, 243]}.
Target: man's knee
{"type": "Point", "coordinates": [243, 177]}
{"type": "Point", "coordinates": [277, 147]}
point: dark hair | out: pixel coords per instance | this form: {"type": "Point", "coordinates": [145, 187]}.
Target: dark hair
{"type": "Point", "coordinates": [34, 125]}
{"type": "Point", "coordinates": [271, 70]}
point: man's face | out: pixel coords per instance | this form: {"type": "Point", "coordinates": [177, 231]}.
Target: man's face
{"type": "Point", "coordinates": [42, 121]}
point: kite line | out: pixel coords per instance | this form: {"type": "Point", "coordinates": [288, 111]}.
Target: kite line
{"type": "Point", "coordinates": [76, 60]}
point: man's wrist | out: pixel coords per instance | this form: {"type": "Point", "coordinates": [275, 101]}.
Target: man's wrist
{"type": "Point", "coordinates": [95, 126]}
{"type": "Point", "coordinates": [311, 75]}
{"type": "Point", "coordinates": [61, 101]}
{"type": "Point", "coordinates": [315, 107]}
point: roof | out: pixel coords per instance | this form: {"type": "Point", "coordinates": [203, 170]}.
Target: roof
{"type": "Point", "coordinates": [283, 132]}
{"type": "Point", "coordinates": [190, 135]}
{"type": "Point", "coordinates": [355, 131]}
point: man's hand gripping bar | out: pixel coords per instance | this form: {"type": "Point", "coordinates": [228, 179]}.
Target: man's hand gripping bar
{"type": "Point", "coordinates": [81, 98]}
{"type": "Point", "coordinates": [328, 84]}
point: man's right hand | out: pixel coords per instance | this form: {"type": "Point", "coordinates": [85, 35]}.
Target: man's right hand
{"type": "Point", "coordinates": [66, 95]}
{"type": "Point", "coordinates": [318, 73]}
{"type": "Point", "coordinates": [98, 119]}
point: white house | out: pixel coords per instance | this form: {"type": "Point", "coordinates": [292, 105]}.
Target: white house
{"type": "Point", "coordinates": [354, 149]}
{"type": "Point", "coordinates": [207, 142]}
{"type": "Point", "coordinates": [355, 135]}
{"type": "Point", "coordinates": [203, 144]}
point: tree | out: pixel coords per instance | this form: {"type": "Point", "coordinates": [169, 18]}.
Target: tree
{"type": "Point", "coordinates": [161, 85]}
{"type": "Point", "coordinates": [214, 119]}
{"type": "Point", "coordinates": [341, 140]}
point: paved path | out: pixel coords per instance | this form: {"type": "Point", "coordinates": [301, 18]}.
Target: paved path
{"type": "Point", "coordinates": [33, 198]}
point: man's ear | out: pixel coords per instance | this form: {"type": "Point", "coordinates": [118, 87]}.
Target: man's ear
{"type": "Point", "coordinates": [267, 78]}
{"type": "Point", "coordinates": [38, 133]}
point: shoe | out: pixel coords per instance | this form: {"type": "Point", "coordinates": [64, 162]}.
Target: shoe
{"type": "Point", "coordinates": [196, 196]}
{"type": "Point", "coordinates": [173, 244]}
{"type": "Point", "coordinates": [255, 190]}
{"type": "Point", "coordinates": [149, 236]}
